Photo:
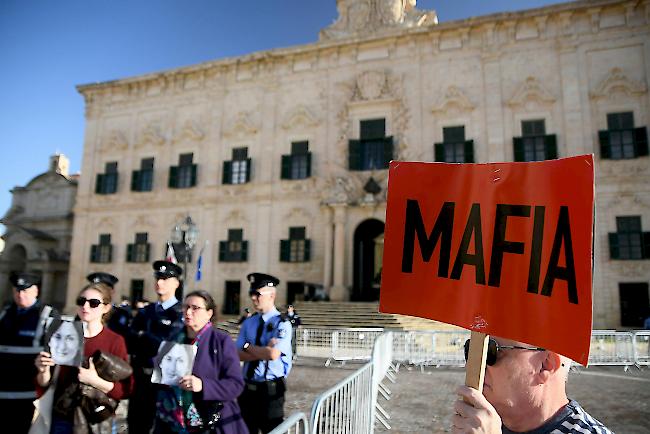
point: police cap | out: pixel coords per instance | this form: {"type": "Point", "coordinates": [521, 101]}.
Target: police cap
{"type": "Point", "coordinates": [105, 278]}
{"type": "Point", "coordinates": [261, 280]}
{"type": "Point", "coordinates": [166, 269]}
{"type": "Point", "coordinates": [22, 280]}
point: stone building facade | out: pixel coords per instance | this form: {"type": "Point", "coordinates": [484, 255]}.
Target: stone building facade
{"type": "Point", "coordinates": [280, 156]}
{"type": "Point", "coordinates": [39, 231]}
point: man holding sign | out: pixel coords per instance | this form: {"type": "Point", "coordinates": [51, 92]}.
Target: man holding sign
{"type": "Point", "coordinates": [501, 249]}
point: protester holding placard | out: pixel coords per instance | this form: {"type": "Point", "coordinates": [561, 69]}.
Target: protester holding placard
{"type": "Point", "coordinates": [204, 401]}
{"type": "Point", "coordinates": [94, 302]}
{"type": "Point", "coordinates": [524, 391]}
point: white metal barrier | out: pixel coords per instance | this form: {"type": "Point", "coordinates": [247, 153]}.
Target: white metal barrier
{"type": "Point", "coordinates": [382, 360]}
{"type": "Point", "coordinates": [297, 423]}
{"type": "Point", "coordinates": [642, 347]}
{"type": "Point", "coordinates": [611, 348]}
{"type": "Point", "coordinates": [353, 344]}
{"type": "Point", "coordinates": [313, 342]}
{"type": "Point", "coordinates": [430, 348]}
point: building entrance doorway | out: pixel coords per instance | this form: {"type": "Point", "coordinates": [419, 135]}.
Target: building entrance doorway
{"type": "Point", "coordinates": [634, 300]}
{"type": "Point", "coordinates": [368, 256]}
{"type": "Point", "coordinates": [231, 300]}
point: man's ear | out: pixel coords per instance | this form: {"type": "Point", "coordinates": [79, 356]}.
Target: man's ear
{"type": "Point", "coordinates": [551, 364]}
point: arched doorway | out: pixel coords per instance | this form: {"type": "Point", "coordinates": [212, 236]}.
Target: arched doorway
{"type": "Point", "coordinates": [17, 258]}
{"type": "Point", "coordinates": [368, 251]}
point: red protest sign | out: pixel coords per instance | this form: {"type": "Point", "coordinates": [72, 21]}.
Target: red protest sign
{"type": "Point", "coordinates": [500, 248]}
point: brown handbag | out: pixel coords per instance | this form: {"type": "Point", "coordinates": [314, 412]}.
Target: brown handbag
{"type": "Point", "coordinates": [110, 367]}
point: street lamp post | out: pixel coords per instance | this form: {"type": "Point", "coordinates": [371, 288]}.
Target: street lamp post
{"type": "Point", "coordinates": [185, 232]}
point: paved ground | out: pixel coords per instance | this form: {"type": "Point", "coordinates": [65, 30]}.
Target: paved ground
{"type": "Point", "coordinates": [421, 401]}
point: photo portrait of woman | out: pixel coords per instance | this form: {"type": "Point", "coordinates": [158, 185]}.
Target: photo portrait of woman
{"type": "Point", "coordinates": [173, 361]}
{"type": "Point", "coordinates": [205, 400]}
{"type": "Point", "coordinates": [65, 342]}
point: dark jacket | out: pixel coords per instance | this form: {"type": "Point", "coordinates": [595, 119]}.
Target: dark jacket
{"type": "Point", "coordinates": [148, 329]}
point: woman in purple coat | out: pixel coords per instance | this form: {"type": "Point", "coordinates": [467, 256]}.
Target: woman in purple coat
{"type": "Point", "coordinates": [206, 400]}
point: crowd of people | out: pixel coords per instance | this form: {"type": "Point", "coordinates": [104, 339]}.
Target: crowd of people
{"type": "Point", "coordinates": [182, 375]}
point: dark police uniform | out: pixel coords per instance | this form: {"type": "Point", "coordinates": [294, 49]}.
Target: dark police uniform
{"type": "Point", "coordinates": [119, 318]}
{"type": "Point", "coordinates": [262, 402]}
{"type": "Point", "coordinates": [21, 336]}
{"type": "Point", "coordinates": [295, 321]}
{"type": "Point", "coordinates": [152, 325]}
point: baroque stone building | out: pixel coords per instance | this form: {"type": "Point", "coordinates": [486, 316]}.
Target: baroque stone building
{"type": "Point", "coordinates": [280, 156]}
{"type": "Point", "coordinates": [39, 231]}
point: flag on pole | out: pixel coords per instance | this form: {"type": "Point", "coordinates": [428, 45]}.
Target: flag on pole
{"type": "Point", "coordinates": [199, 263]}
{"type": "Point", "coordinates": [171, 256]}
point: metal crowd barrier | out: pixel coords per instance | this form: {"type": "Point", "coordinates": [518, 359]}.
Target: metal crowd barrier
{"type": "Point", "coordinates": [642, 347]}
{"type": "Point", "coordinates": [353, 344]}
{"type": "Point", "coordinates": [382, 360]}
{"type": "Point", "coordinates": [611, 348]}
{"type": "Point", "coordinates": [297, 423]}
{"type": "Point", "coordinates": [430, 348]}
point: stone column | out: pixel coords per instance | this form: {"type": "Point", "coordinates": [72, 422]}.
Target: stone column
{"type": "Point", "coordinates": [327, 256]}
{"type": "Point", "coordinates": [337, 292]}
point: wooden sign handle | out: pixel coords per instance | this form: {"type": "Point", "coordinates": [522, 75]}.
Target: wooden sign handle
{"type": "Point", "coordinates": [475, 367]}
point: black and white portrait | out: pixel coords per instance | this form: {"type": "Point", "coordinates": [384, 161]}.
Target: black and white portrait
{"type": "Point", "coordinates": [64, 341]}
{"type": "Point", "coordinates": [173, 361]}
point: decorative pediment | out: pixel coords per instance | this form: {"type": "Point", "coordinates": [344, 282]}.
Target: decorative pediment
{"type": "Point", "coordinates": [300, 117]}
{"type": "Point", "coordinates": [453, 98]}
{"type": "Point", "coordinates": [617, 82]}
{"type": "Point", "coordinates": [241, 125]}
{"type": "Point", "coordinates": [531, 91]}
{"type": "Point", "coordinates": [236, 216]}
{"type": "Point", "coordinates": [116, 139]}
{"type": "Point", "coordinates": [371, 85]}
{"type": "Point", "coordinates": [151, 135]}
{"type": "Point", "coordinates": [191, 130]}
{"type": "Point", "coordinates": [143, 221]}
{"type": "Point", "coordinates": [297, 215]}
{"type": "Point", "coordinates": [105, 223]}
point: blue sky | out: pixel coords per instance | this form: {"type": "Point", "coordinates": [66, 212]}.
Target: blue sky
{"type": "Point", "coordinates": [48, 47]}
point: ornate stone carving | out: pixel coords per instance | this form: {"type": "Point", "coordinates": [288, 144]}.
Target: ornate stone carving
{"type": "Point", "coordinates": [453, 97]}
{"type": "Point", "coordinates": [371, 85]}
{"type": "Point", "coordinates": [190, 131]}
{"type": "Point", "coordinates": [236, 216]}
{"type": "Point", "coordinates": [531, 91]}
{"type": "Point", "coordinates": [358, 17]}
{"type": "Point", "coordinates": [616, 82]}
{"type": "Point", "coordinates": [116, 140]}
{"type": "Point", "coordinates": [151, 134]}
{"type": "Point", "coordinates": [338, 190]}
{"type": "Point", "coordinates": [241, 125]}
{"type": "Point", "coordinates": [633, 269]}
{"type": "Point", "coordinates": [300, 116]}
{"type": "Point", "coordinates": [143, 221]}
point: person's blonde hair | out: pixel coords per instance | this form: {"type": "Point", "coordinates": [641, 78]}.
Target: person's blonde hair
{"type": "Point", "coordinates": [106, 294]}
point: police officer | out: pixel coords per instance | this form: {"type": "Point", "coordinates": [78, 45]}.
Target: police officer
{"type": "Point", "coordinates": [295, 320]}
{"type": "Point", "coordinates": [153, 324]}
{"type": "Point", "coordinates": [22, 325]}
{"type": "Point", "coordinates": [264, 345]}
{"type": "Point", "coordinates": [119, 318]}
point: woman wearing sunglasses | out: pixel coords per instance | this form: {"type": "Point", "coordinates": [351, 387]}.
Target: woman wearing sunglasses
{"type": "Point", "coordinates": [94, 303]}
{"type": "Point", "coordinates": [206, 400]}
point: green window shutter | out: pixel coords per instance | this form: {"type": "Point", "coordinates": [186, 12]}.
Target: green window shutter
{"type": "Point", "coordinates": [147, 252]}
{"type": "Point", "coordinates": [308, 164]}
{"type": "Point", "coordinates": [469, 151]}
{"type": "Point", "coordinates": [244, 251]}
{"type": "Point", "coordinates": [226, 177]}
{"type": "Point", "coordinates": [222, 250]}
{"type": "Point", "coordinates": [129, 253]}
{"type": "Point", "coordinates": [135, 180]}
{"type": "Point", "coordinates": [439, 152]}
{"type": "Point", "coordinates": [550, 145]}
{"type": "Point", "coordinates": [99, 183]}
{"type": "Point", "coordinates": [93, 253]}
{"type": "Point", "coordinates": [110, 253]}
{"type": "Point", "coordinates": [249, 169]}
{"type": "Point", "coordinates": [605, 149]}
{"type": "Point", "coordinates": [354, 154]}
{"type": "Point", "coordinates": [116, 177]}
{"type": "Point", "coordinates": [646, 245]}
{"type": "Point", "coordinates": [285, 250]}
{"type": "Point", "coordinates": [286, 167]}
{"type": "Point", "coordinates": [613, 246]}
{"type": "Point", "coordinates": [388, 151]}
{"type": "Point", "coordinates": [173, 177]}
{"type": "Point", "coordinates": [641, 141]}
{"type": "Point", "coordinates": [307, 257]}
{"type": "Point", "coordinates": [518, 143]}
{"type": "Point", "coordinates": [193, 175]}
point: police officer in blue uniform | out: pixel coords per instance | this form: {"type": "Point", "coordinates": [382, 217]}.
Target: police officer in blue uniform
{"type": "Point", "coordinates": [264, 345]}
{"type": "Point", "coordinates": [119, 318]}
{"type": "Point", "coordinates": [155, 323]}
{"type": "Point", "coordinates": [22, 326]}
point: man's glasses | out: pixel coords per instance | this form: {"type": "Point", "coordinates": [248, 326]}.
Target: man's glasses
{"type": "Point", "coordinates": [192, 307]}
{"type": "Point", "coordinates": [494, 348]}
{"type": "Point", "coordinates": [93, 302]}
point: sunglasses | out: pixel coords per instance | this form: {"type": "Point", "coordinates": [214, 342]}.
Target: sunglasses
{"type": "Point", "coordinates": [494, 348]}
{"type": "Point", "coordinates": [93, 302]}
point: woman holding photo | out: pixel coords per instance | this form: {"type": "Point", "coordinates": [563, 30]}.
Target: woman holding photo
{"type": "Point", "coordinates": [206, 400]}
{"type": "Point", "coordinates": [94, 302]}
